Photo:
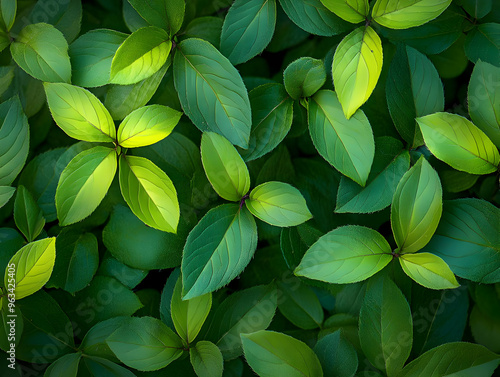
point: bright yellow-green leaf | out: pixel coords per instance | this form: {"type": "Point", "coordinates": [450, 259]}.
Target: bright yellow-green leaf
{"type": "Point", "coordinates": [350, 10]}
{"type": "Point", "coordinates": [79, 113]}
{"type": "Point", "coordinates": [347, 144]}
{"type": "Point", "coordinates": [42, 51]}
{"type": "Point", "coordinates": [147, 125]}
{"type": "Point", "coordinates": [416, 207]}
{"type": "Point", "coordinates": [189, 315]}
{"type": "Point", "coordinates": [84, 183]}
{"type": "Point", "coordinates": [278, 204]}
{"type": "Point", "coordinates": [403, 14]}
{"type": "Point", "coordinates": [224, 167]}
{"type": "Point", "coordinates": [32, 266]}
{"type": "Point", "coordinates": [458, 142]}
{"type": "Point", "coordinates": [428, 270]}
{"type": "Point", "coordinates": [142, 54]}
{"type": "Point", "coordinates": [150, 193]}
{"type": "Point", "coordinates": [357, 64]}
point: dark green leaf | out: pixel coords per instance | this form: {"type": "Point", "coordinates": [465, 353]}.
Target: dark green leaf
{"type": "Point", "coordinates": [483, 43]}
{"type": "Point", "coordinates": [206, 359]}
{"type": "Point", "coordinates": [337, 356]}
{"type": "Point", "coordinates": [165, 14]}
{"type": "Point", "coordinates": [27, 214]}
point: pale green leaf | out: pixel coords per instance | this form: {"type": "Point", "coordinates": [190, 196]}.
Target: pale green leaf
{"type": "Point", "coordinates": [484, 99]}
{"type": "Point", "coordinates": [41, 50]}
{"type": "Point", "coordinates": [147, 125]}
{"type": "Point", "coordinates": [272, 354]}
{"type": "Point", "coordinates": [350, 10]}
{"type": "Point", "coordinates": [84, 183]}
{"type": "Point", "coordinates": [452, 360]}
{"type": "Point", "coordinates": [145, 344]}
{"type": "Point", "coordinates": [150, 193]}
{"type": "Point", "coordinates": [347, 144]}
{"type": "Point", "coordinates": [209, 263]}
{"type": "Point", "coordinates": [189, 315]}
{"type": "Point", "coordinates": [458, 142]}
{"type": "Point", "coordinates": [224, 167]}
{"type": "Point", "coordinates": [416, 207]}
{"type": "Point", "coordinates": [428, 270]}
{"type": "Point", "coordinates": [165, 14]}
{"type": "Point", "coordinates": [33, 266]}
{"type": "Point", "coordinates": [304, 77]}
{"type": "Point", "coordinates": [27, 214]}
{"type": "Point", "coordinates": [142, 54]}
{"type": "Point", "coordinates": [357, 65]}
{"type": "Point", "coordinates": [6, 192]}
{"type": "Point", "coordinates": [385, 326]}
{"type": "Point", "coordinates": [206, 359]}
{"type": "Point", "coordinates": [248, 29]}
{"type": "Point", "coordinates": [211, 91]}
{"type": "Point", "coordinates": [403, 14]}
{"type": "Point", "coordinates": [278, 204]}
{"type": "Point", "coordinates": [345, 255]}
{"type": "Point", "coordinates": [79, 113]}
{"type": "Point", "coordinates": [14, 140]}
{"type": "Point", "coordinates": [91, 55]}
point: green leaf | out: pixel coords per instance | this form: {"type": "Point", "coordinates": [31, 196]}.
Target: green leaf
{"type": "Point", "coordinates": [272, 354]}
{"type": "Point", "coordinates": [121, 100]}
{"type": "Point", "coordinates": [416, 207]}
{"type": "Point", "coordinates": [413, 89]}
{"type": "Point", "coordinates": [278, 204]}
{"type": "Point", "coordinates": [385, 326]}
{"type": "Point", "coordinates": [299, 304]}
{"type": "Point", "coordinates": [208, 28]}
{"type": "Point", "coordinates": [345, 255]}
{"type": "Point", "coordinates": [6, 192]}
{"type": "Point", "coordinates": [390, 163]}
{"type": "Point", "coordinates": [125, 236]}
{"type": "Point", "coordinates": [337, 356]}
{"type": "Point", "coordinates": [145, 344]}
{"type": "Point", "coordinates": [147, 125]}
{"type": "Point", "coordinates": [4, 40]}
{"type": "Point", "coordinates": [64, 366]}
{"type": "Point", "coordinates": [91, 55]}
{"type": "Point", "coordinates": [453, 359]}
{"type": "Point", "coordinates": [350, 10]}
{"type": "Point", "coordinates": [224, 167]}
{"type": "Point", "coordinates": [79, 113]}
{"type": "Point", "coordinates": [149, 192]}
{"type": "Point", "coordinates": [84, 183]}
{"type": "Point", "coordinates": [483, 42]}
{"type": "Point", "coordinates": [235, 315]}
{"type": "Point", "coordinates": [468, 240]}
{"type": "Point", "coordinates": [347, 144]}
{"type": "Point", "coordinates": [165, 14]}
{"type": "Point", "coordinates": [41, 51]}
{"type": "Point", "coordinates": [8, 9]}
{"type": "Point", "coordinates": [477, 8]}
{"type": "Point", "coordinates": [428, 270]}
{"type": "Point", "coordinates": [210, 263]}
{"type": "Point", "coordinates": [484, 99]}
{"type": "Point", "coordinates": [142, 54]}
{"type": "Point", "coordinates": [77, 261]}
{"type": "Point", "coordinates": [458, 142]}
{"type": "Point", "coordinates": [206, 359]}
{"type": "Point", "coordinates": [189, 315]}
{"type": "Point", "coordinates": [248, 29]}
{"type": "Point", "coordinates": [404, 14]}
{"type": "Point", "coordinates": [211, 91]}
{"type": "Point", "coordinates": [304, 77]}
{"type": "Point", "coordinates": [27, 214]}
{"type": "Point", "coordinates": [33, 266]}
{"type": "Point", "coordinates": [14, 136]}
{"type": "Point", "coordinates": [357, 65]}
{"type": "Point", "coordinates": [97, 366]}
{"type": "Point", "coordinates": [313, 17]}
{"type": "Point", "coordinates": [272, 115]}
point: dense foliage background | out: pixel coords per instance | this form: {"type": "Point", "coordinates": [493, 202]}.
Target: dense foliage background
{"type": "Point", "coordinates": [218, 188]}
